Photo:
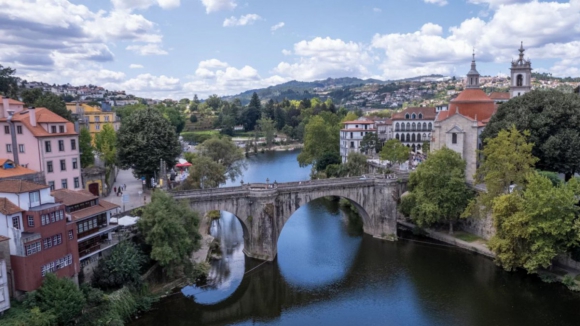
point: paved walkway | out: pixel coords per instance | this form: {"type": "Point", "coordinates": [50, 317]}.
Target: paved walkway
{"type": "Point", "coordinates": [134, 187]}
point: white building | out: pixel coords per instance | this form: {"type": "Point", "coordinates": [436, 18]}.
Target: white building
{"type": "Point", "coordinates": [352, 134]}
{"type": "Point", "coordinates": [413, 126]}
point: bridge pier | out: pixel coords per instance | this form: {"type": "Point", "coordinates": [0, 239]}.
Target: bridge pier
{"type": "Point", "coordinates": [263, 210]}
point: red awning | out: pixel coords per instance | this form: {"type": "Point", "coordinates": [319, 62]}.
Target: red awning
{"type": "Point", "coordinates": [183, 165]}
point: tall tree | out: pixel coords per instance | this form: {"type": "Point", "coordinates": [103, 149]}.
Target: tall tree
{"type": "Point", "coordinates": [370, 143]}
{"type": "Point", "coordinates": [252, 113]}
{"type": "Point", "coordinates": [144, 139]}
{"type": "Point", "coordinates": [86, 148]}
{"type": "Point", "coordinates": [266, 125]}
{"type": "Point", "coordinates": [356, 164]}
{"type": "Point", "coordinates": [205, 173]}
{"type": "Point", "coordinates": [224, 151]}
{"type": "Point", "coordinates": [8, 83]}
{"type": "Point", "coordinates": [552, 118]}
{"type": "Point", "coordinates": [214, 102]}
{"type": "Point", "coordinates": [535, 224]}
{"type": "Point", "coordinates": [394, 151]}
{"type": "Point", "coordinates": [321, 135]}
{"type": "Point", "coordinates": [171, 229]}
{"type": "Point", "coordinates": [438, 193]}
{"type": "Point", "coordinates": [60, 297]}
{"type": "Point", "coordinates": [106, 144]}
{"type": "Point", "coordinates": [121, 267]}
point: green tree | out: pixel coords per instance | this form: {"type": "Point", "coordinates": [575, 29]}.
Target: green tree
{"type": "Point", "coordinates": [86, 148]}
{"type": "Point", "coordinates": [507, 160]}
{"type": "Point", "coordinates": [438, 189]}
{"type": "Point", "coordinates": [252, 113]}
{"type": "Point", "coordinates": [224, 151]}
{"type": "Point", "coordinates": [8, 83]}
{"type": "Point", "coordinates": [536, 224]}
{"type": "Point", "coordinates": [171, 229]}
{"type": "Point", "coordinates": [321, 136]}
{"type": "Point", "coordinates": [37, 98]}
{"type": "Point", "coordinates": [205, 173]}
{"type": "Point", "coordinates": [121, 267]}
{"type": "Point", "coordinates": [267, 127]}
{"type": "Point", "coordinates": [370, 143]}
{"type": "Point", "coordinates": [426, 147]}
{"type": "Point", "coordinates": [59, 297]}
{"type": "Point", "coordinates": [144, 139]}
{"type": "Point", "coordinates": [552, 120]}
{"type": "Point", "coordinates": [214, 102]}
{"type": "Point", "coordinates": [125, 111]}
{"type": "Point", "coordinates": [327, 159]}
{"type": "Point", "coordinates": [394, 151]}
{"type": "Point", "coordinates": [193, 118]}
{"type": "Point", "coordinates": [356, 164]}
{"type": "Point", "coordinates": [175, 118]}
{"type": "Point", "coordinates": [106, 144]}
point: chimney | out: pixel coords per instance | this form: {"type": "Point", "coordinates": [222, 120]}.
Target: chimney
{"type": "Point", "coordinates": [5, 107]}
{"type": "Point", "coordinates": [32, 115]}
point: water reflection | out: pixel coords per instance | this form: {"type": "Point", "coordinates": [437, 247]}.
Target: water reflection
{"type": "Point", "coordinates": [226, 273]}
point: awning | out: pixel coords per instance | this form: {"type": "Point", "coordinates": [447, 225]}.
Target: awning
{"type": "Point", "coordinates": [183, 165]}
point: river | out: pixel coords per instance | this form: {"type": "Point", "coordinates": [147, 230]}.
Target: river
{"type": "Point", "coordinates": [328, 273]}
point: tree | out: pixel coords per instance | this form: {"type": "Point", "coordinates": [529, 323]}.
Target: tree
{"type": "Point", "coordinates": [37, 98]}
{"type": "Point", "coordinates": [267, 127]}
{"type": "Point", "coordinates": [121, 267]}
{"type": "Point", "coordinates": [224, 151]}
{"type": "Point", "coordinates": [438, 189]}
{"type": "Point", "coordinates": [552, 120]}
{"type": "Point", "coordinates": [175, 118]}
{"type": "Point", "coordinates": [321, 136]}
{"type": "Point", "coordinates": [370, 143]}
{"type": "Point", "coordinates": [106, 144]}
{"type": "Point", "coordinates": [252, 113]}
{"type": "Point", "coordinates": [327, 159]}
{"type": "Point", "coordinates": [59, 297]}
{"type": "Point", "coordinates": [86, 148]}
{"type": "Point", "coordinates": [426, 147]}
{"type": "Point", "coordinates": [193, 118]}
{"type": "Point", "coordinates": [204, 173]}
{"type": "Point", "coordinates": [507, 160]}
{"type": "Point", "coordinates": [394, 151]}
{"type": "Point", "coordinates": [356, 164]}
{"type": "Point", "coordinates": [8, 83]}
{"type": "Point", "coordinates": [214, 102]}
{"type": "Point", "coordinates": [171, 229]}
{"type": "Point", "coordinates": [144, 139]}
{"type": "Point", "coordinates": [125, 111]}
{"type": "Point", "coordinates": [536, 224]}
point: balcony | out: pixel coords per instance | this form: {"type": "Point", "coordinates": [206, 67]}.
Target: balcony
{"type": "Point", "coordinates": [96, 232]}
{"type": "Point", "coordinates": [95, 245]}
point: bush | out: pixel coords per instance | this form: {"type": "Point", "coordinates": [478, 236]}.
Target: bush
{"type": "Point", "coordinates": [121, 267]}
{"type": "Point", "coordinates": [193, 118]}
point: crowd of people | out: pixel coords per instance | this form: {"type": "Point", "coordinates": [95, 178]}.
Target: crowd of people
{"type": "Point", "coordinates": [119, 190]}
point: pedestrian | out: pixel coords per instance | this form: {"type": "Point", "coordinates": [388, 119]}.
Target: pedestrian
{"type": "Point", "coordinates": [115, 189]}
{"type": "Point", "coordinates": [124, 187]}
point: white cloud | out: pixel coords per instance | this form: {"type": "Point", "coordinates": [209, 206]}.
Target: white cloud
{"type": "Point", "coordinates": [144, 4]}
{"type": "Point", "coordinates": [437, 2]}
{"type": "Point", "coordinates": [431, 29]}
{"type": "Point", "coordinates": [148, 82]}
{"type": "Point", "coordinates": [377, 10]}
{"type": "Point", "coordinates": [147, 49]}
{"type": "Point", "coordinates": [244, 20]}
{"type": "Point", "coordinates": [135, 66]}
{"type": "Point", "coordinates": [218, 5]}
{"type": "Point", "coordinates": [321, 58]}
{"type": "Point", "coordinates": [277, 26]}
{"type": "Point", "coordinates": [496, 3]}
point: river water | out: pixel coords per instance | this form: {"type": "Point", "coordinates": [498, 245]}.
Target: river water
{"type": "Point", "coordinates": [328, 273]}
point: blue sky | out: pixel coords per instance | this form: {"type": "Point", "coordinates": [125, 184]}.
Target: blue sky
{"type": "Point", "coordinates": [176, 48]}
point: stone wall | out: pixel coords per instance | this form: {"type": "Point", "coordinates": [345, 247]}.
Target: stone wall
{"type": "Point", "coordinates": [482, 227]}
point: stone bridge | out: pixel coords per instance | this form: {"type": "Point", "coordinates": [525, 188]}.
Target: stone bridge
{"type": "Point", "coordinates": [263, 209]}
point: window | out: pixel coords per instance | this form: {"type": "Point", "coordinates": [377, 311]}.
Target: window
{"type": "Point", "coordinates": [361, 133]}
{"type": "Point", "coordinates": [33, 248]}
{"type": "Point", "coordinates": [413, 116]}
{"type": "Point", "coordinates": [419, 137]}
{"type": "Point", "coordinates": [397, 126]}
{"type": "Point", "coordinates": [44, 219]}
{"type": "Point", "coordinates": [420, 115]}
{"type": "Point", "coordinates": [97, 127]}
{"type": "Point", "coordinates": [64, 184]}
{"type": "Point", "coordinates": [47, 243]}
{"type": "Point", "coordinates": [77, 183]}
{"type": "Point", "coordinates": [73, 144]}
{"type": "Point", "coordinates": [8, 148]}
{"type": "Point", "coordinates": [53, 129]}
{"type": "Point", "coordinates": [47, 146]}
{"type": "Point", "coordinates": [519, 80]}
{"type": "Point", "coordinates": [52, 217]}
{"type": "Point", "coordinates": [51, 184]}
{"type": "Point", "coordinates": [351, 135]}
{"type": "Point", "coordinates": [407, 116]}
{"type": "Point", "coordinates": [454, 138]}
{"type": "Point", "coordinates": [63, 165]}
{"type": "Point", "coordinates": [61, 129]}
{"type": "Point", "coordinates": [19, 130]}
{"type": "Point", "coordinates": [397, 136]}
{"type": "Point", "coordinates": [30, 220]}
{"type": "Point", "coordinates": [408, 137]}
{"type": "Point", "coordinates": [97, 119]}
{"type": "Point", "coordinates": [7, 130]}
{"type": "Point", "coordinates": [351, 144]}
{"type": "Point", "coordinates": [107, 118]}
{"type": "Point", "coordinates": [430, 126]}
{"type": "Point", "coordinates": [16, 222]}
{"type": "Point", "coordinates": [75, 163]}
{"type": "Point", "coordinates": [71, 234]}
{"type": "Point", "coordinates": [21, 148]}
{"type": "Point", "coordinates": [61, 145]}
{"type": "Point", "coordinates": [49, 167]}
{"type": "Point", "coordinates": [34, 198]}
{"type": "Point", "coordinates": [56, 265]}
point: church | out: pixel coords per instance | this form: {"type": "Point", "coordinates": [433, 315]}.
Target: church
{"type": "Point", "coordinates": [460, 126]}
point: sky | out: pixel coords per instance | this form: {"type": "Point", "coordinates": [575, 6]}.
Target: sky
{"type": "Point", "coordinates": [178, 48]}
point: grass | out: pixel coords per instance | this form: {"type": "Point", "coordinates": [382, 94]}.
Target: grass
{"type": "Point", "coordinates": [467, 237]}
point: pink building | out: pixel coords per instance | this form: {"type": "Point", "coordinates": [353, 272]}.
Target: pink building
{"type": "Point", "coordinates": [41, 140]}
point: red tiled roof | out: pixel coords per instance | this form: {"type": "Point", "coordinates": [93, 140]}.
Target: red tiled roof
{"type": "Point", "coordinates": [19, 186]}
{"type": "Point", "coordinates": [43, 115]}
{"type": "Point", "coordinates": [15, 102]}
{"type": "Point", "coordinates": [102, 207]}
{"type": "Point", "coordinates": [12, 172]}
{"type": "Point", "coordinates": [429, 113]}
{"type": "Point", "coordinates": [499, 95]}
{"type": "Point", "coordinates": [71, 197]}
{"type": "Point", "coordinates": [8, 208]}
{"type": "Point", "coordinates": [471, 103]}
{"type": "Point", "coordinates": [472, 95]}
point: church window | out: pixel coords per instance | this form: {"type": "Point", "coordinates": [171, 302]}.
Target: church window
{"type": "Point", "coordinates": [424, 126]}
{"type": "Point", "coordinates": [402, 126]}
{"type": "Point", "coordinates": [413, 116]}
{"type": "Point", "coordinates": [413, 126]}
{"type": "Point", "coordinates": [420, 115]}
{"type": "Point", "coordinates": [397, 127]}
{"type": "Point", "coordinates": [418, 137]}
{"type": "Point", "coordinates": [408, 137]}
{"type": "Point", "coordinates": [519, 80]}
{"type": "Point", "coordinates": [453, 138]}
{"type": "Point", "coordinates": [408, 126]}
{"type": "Point", "coordinates": [413, 137]}
{"type": "Point", "coordinates": [407, 116]}
{"type": "Point", "coordinates": [430, 126]}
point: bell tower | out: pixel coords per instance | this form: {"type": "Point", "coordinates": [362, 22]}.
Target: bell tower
{"type": "Point", "coordinates": [473, 75]}
{"type": "Point", "coordinates": [521, 75]}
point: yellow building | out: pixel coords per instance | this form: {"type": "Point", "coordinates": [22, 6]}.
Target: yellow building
{"type": "Point", "coordinates": [94, 117]}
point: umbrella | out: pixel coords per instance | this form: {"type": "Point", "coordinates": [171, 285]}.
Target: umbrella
{"type": "Point", "coordinates": [183, 165]}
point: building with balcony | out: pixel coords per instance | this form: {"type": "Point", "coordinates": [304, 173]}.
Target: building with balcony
{"type": "Point", "coordinates": [40, 240]}
{"type": "Point", "coordinates": [352, 134]}
{"type": "Point", "coordinates": [93, 117]}
{"type": "Point", "coordinates": [384, 129]}
{"type": "Point", "coordinates": [41, 140]}
{"type": "Point", "coordinates": [90, 218]}
{"type": "Point", "coordinates": [413, 126]}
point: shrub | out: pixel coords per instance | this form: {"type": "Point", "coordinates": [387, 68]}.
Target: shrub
{"type": "Point", "coordinates": [121, 267]}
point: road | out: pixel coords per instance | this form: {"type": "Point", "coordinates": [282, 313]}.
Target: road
{"type": "Point", "coordinates": [134, 190]}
